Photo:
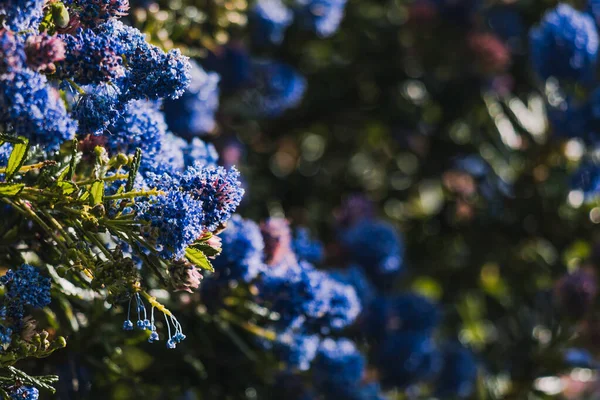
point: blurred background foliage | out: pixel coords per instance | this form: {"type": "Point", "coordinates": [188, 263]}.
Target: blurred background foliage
{"type": "Point", "coordinates": [435, 116]}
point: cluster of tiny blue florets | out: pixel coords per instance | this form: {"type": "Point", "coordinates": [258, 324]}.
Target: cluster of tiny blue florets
{"type": "Point", "coordinates": [24, 287]}
{"type": "Point", "coordinates": [24, 393]}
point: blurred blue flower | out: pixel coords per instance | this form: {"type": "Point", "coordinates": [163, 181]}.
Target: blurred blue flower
{"type": "Point", "coordinates": [305, 248]}
{"type": "Point", "coordinates": [458, 374]}
{"type": "Point", "coordinates": [242, 255]}
{"type": "Point", "coordinates": [565, 45]}
{"type": "Point", "coordinates": [268, 21]}
{"type": "Point", "coordinates": [194, 112]}
{"type": "Point", "coordinates": [321, 16]}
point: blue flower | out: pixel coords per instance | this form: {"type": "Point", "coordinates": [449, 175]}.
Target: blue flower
{"type": "Point", "coordinates": [305, 248]}
{"type": "Point", "coordinates": [151, 73]}
{"type": "Point", "coordinates": [338, 368]}
{"type": "Point", "coordinates": [91, 57]}
{"type": "Point", "coordinates": [35, 110]}
{"type": "Point", "coordinates": [297, 350]}
{"type": "Point", "coordinates": [97, 109]}
{"type": "Point", "coordinates": [22, 15]}
{"type": "Point", "coordinates": [335, 304]}
{"type": "Point", "coordinates": [275, 88]}
{"type": "Point", "coordinates": [218, 189]}
{"type": "Point", "coordinates": [200, 153]}
{"type": "Point", "coordinates": [140, 125]}
{"type": "Point", "coordinates": [565, 45]}
{"type": "Point", "coordinates": [5, 335]}
{"type": "Point", "coordinates": [404, 358]}
{"type": "Point", "coordinates": [25, 393]}
{"type": "Point", "coordinates": [194, 112]}
{"type": "Point", "coordinates": [25, 287]}
{"type": "Point", "coordinates": [321, 16]}
{"type": "Point", "coordinates": [355, 276]}
{"type": "Point", "coordinates": [242, 254]}
{"type": "Point", "coordinates": [174, 221]}
{"type": "Point", "coordinates": [377, 247]}
{"type": "Point", "coordinates": [92, 13]}
{"type": "Point", "coordinates": [268, 21]}
{"type": "Point", "coordinates": [458, 374]}
{"type": "Point", "coordinates": [402, 313]}
{"type": "Point", "coordinates": [580, 358]}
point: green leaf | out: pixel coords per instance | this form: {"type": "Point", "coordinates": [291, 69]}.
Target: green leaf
{"type": "Point", "coordinates": [135, 166]}
{"type": "Point", "coordinates": [97, 192]}
{"type": "Point", "coordinates": [16, 158]}
{"type": "Point", "coordinates": [42, 382]}
{"type": "Point", "coordinates": [10, 189]}
{"type": "Point", "coordinates": [67, 187]}
{"type": "Point", "coordinates": [198, 258]}
{"type": "Point", "coordinates": [73, 162]}
{"type": "Point", "coordinates": [11, 139]}
{"type": "Point", "coordinates": [205, 248]}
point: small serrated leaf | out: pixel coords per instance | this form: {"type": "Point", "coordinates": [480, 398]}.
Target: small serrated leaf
{"type": "Point", "coordinates": [135, 166]}
{"type": "Point", "coordinates": [198, 258]}
{"type": "Point", "coordinates": [205, 248]}
{"type": "Point", "coordinates": [97, 192]}
{"type": "Point", "coordinates": [16, 158]}
{"type": "Point", "coordinates": [10, 189]}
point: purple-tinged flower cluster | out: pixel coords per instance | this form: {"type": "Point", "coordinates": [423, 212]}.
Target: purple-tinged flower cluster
{"type": "Point", "coordinates": [565, 45]}
{"type": "Point", "coordinates": [43, 51]}
{"type": "Point", "coordinates": [297, 349]}
{"type": "Point", "coordinates": [575, 293]}
{"type": "Point", "coordinates": [12, 54]}
{"type": "Point", "coordinates": [218, 190]}
{"type": "Point", "coordinates": [278, 240]}
{"type": "Point", "coordinates": [24, 287]}
{"type": "Point", "coordinates": [321, 16]}
{"type": "Point", "coordinates": [22, 15]}
{"type": "Point", "coordinates": [268, 21]}
{"type": "Point", "coordinates": [193, 113]}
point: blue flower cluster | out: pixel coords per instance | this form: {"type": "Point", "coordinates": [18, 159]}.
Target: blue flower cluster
{"type": "Point", "coordinates": [321, 16]}
{"type": "Point", "coordinates": [268, 21]}
{"type": "Point", "coordinates": [243, 246]}
{"type": "Point", "coordinates": [376, 246]}
{"type": "Point", "coordinates": [339, 372]}
{"type": "Point", "coordinates": [24, 393]}
{"type": "Point", "coordinates": [113, 62]}
{"type": "Point", "coordinates": [307, 249]}
{"type": "Point", "coordinates": [565, 45]}
{"type": "Point", "coordinates": [308, 303]}
{"type": "Point", "coordinates": [194, 112]}
{"type": "Point", "coordinates": [24, 287]}
{"type": "Point", "coordinates": [22, 15]}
